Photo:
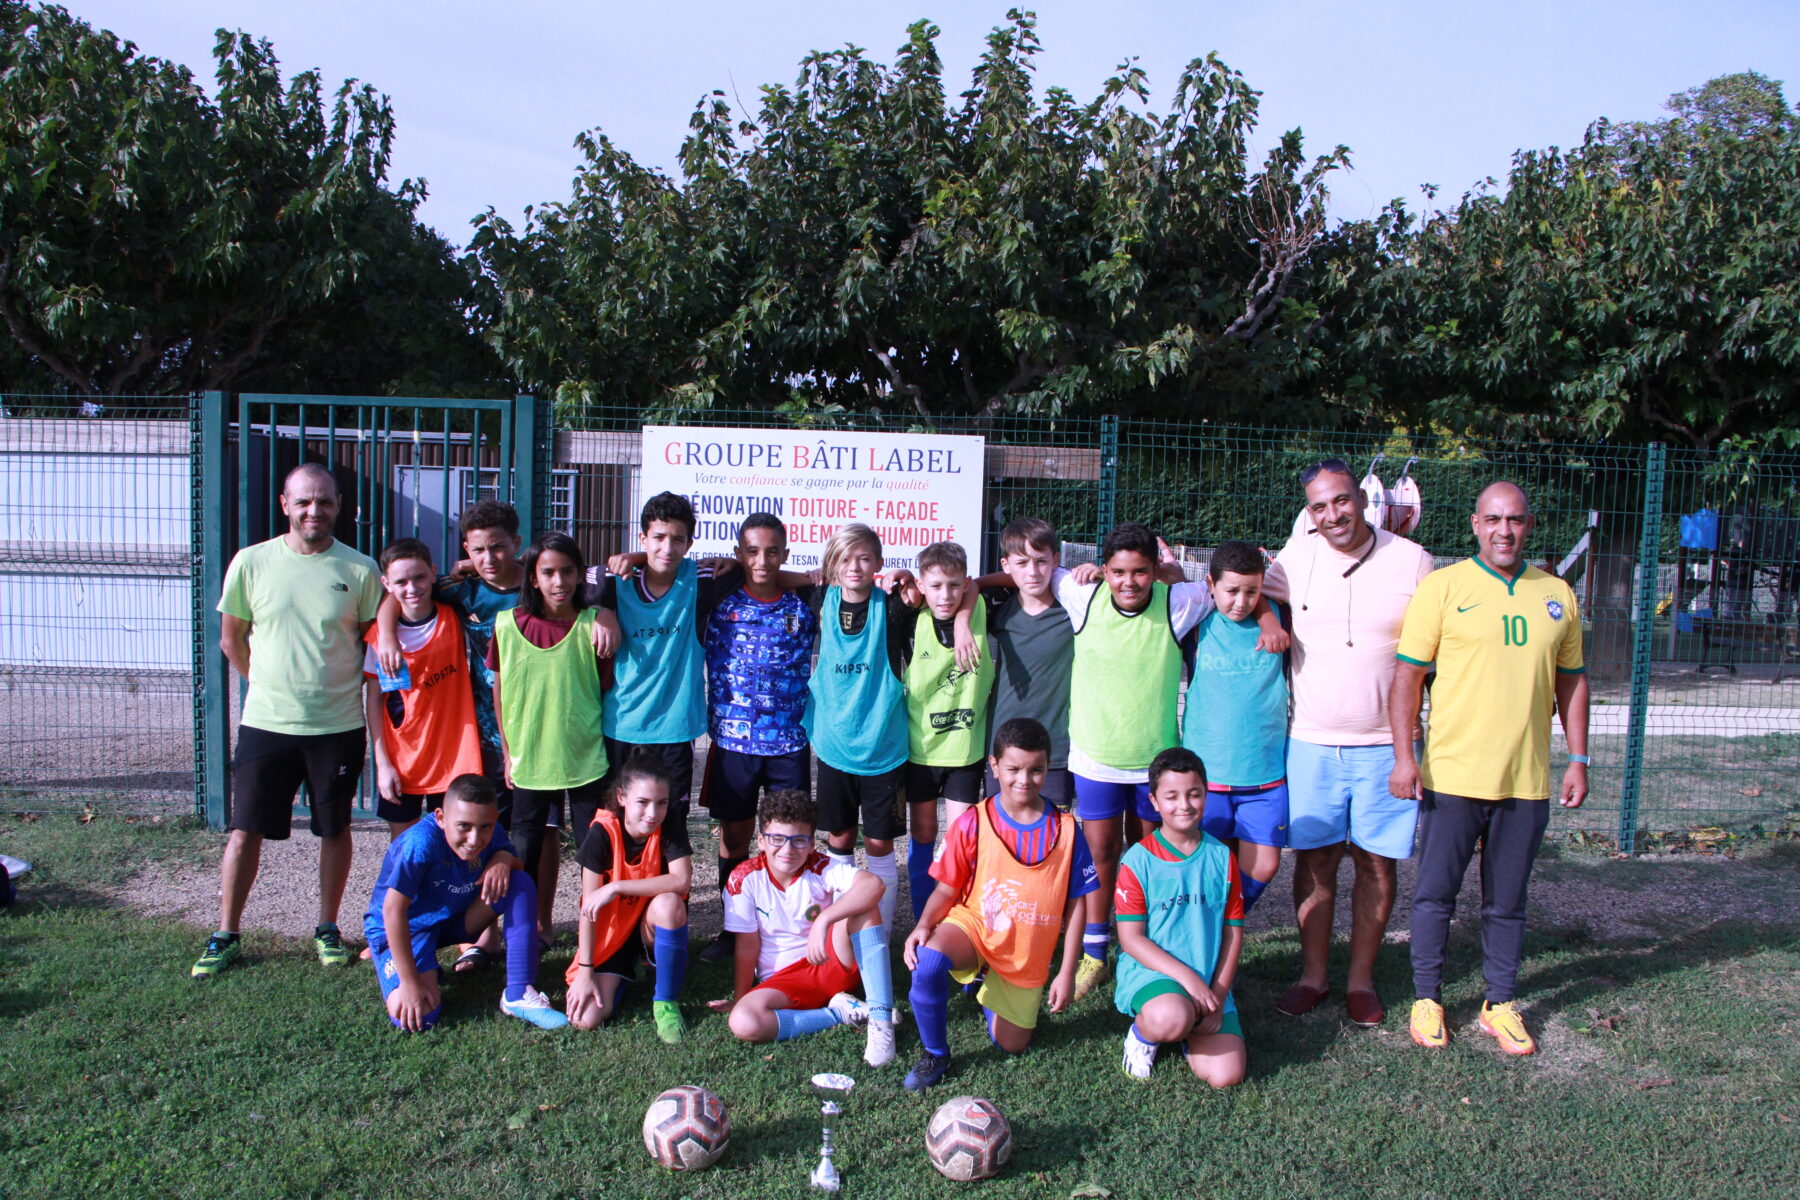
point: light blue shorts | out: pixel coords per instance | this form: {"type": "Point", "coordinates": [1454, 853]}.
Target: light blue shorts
{"type": "Point", "coordinates": [1340, 793]}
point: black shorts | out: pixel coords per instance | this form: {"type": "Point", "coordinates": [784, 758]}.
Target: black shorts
{"type": "Point", "coordinates": [1059, 786]}
{"type": "Point", "coordinates": [842, 796]}
{"type": "Point", "coordinates": [735, 782]}
{"type": "Point", "coordinates": [624, 961]}
{"type": "Point", "coordinates": [408, 808]}
{"type": "Point", "coordinates": [925, 784]}
{"type": "Point", "coordinates": [677, 758]}
{"type": "Point", "coordinates": [546, 807]}
{"type": "Point", "coordinates": [268, 769]}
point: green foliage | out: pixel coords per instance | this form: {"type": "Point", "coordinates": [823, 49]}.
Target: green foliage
{"type": "Point", "coordinates": [154, 240]}
{"type": "Point", "coordinates": [1638, 287]}
{"type": "Point", "coordinates": [866, 243]}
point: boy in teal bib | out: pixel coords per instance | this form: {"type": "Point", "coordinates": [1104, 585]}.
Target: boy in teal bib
{"type": "Point", "coordinates": [1181, 929]}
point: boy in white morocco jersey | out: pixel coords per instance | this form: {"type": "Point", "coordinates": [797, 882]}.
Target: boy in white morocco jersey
{"type": "Point", "coordinates": [808, 929]}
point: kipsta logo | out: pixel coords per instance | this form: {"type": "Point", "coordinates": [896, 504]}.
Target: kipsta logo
{"type": "Point", "coordinates": [1554, 608]}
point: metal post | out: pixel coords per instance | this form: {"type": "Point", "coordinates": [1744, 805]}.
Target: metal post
{"type": "Point", "coordinates": [533, 439]}
{"type": "Point", "coordinates": [1643, 613]}
{"type": "Point", "coordinates": [1106, 513]}
{"type": "Point", "coordinates": [208, 466]}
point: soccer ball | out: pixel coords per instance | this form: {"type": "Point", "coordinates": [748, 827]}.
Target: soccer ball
{"type": "Point", "coordinates": [968, 1139]}
{"type": "Point", "coordinates": [687, 1128]}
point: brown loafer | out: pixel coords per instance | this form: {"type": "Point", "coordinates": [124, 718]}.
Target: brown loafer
{"type": "Point", "coordinates": [1300, 999]}
{"type": "Point", "coordinates": [1365, 1009]}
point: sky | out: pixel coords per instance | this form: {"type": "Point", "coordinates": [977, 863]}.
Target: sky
{"type": "Point", "coordinates": [488, 97]}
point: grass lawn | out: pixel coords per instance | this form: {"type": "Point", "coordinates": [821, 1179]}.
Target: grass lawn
{"type": "Point", "coordinates": [1667, 1068]}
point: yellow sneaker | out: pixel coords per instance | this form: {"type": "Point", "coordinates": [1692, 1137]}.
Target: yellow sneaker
{"type": "Point", "coordinates": [1508, 1028]}
{"type": "Point", "coordinates": [1428, 1028]}
{"type": "Point", "coordinates": [1088, 974]}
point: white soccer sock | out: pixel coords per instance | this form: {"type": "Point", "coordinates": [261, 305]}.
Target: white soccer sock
{"type": "Point", "coordinates": [882, 867]}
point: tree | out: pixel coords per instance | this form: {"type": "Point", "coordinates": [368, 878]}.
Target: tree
{"type": "Point", "coordinates": [155, 241]}
{"type": "Point", "coordinates": [1639, 287]}
{"type": "Point", "coordinates": [864, 243]}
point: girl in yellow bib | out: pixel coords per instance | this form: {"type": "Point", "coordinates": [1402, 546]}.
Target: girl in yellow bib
{"type": "Point", "coordinates": [1009, 883]}
{"type": "Point", "coordinates": [547, 696]}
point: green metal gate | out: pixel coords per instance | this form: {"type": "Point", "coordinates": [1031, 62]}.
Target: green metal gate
{"type": "Point", "coordinates": [406, 466]}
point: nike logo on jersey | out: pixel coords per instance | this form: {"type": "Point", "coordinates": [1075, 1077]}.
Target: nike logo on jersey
{"type": "Point", "coordinates": [1463, 608]}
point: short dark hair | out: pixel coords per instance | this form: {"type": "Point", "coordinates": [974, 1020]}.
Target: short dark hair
{"type": "Point", "coordinates": [489, 514]}
{"type": "Point", "coordinates": [1029, 533]}
{"type": "Point", "coordinates": [403, 548]}
{"type": "Point", "coordinates": [789, 807]}
{"type": "Point", "coordinates": [1129, 535]}
{"type": "Point", "coordinates": [762, 521]}
{"type": "Point", "coordinates": [1178, 759]}
{"type": "Point", "coordinates": [947, 557]}
{"type": "Point", "coordinates": [640, 765]}
{"type": "Point", "coordinates": [667, 506]}
{"type": "Point", "coordinates": [1240, 558]}
{"type": "Point", "coordinates": [530, 598]}
{"type": "Point", "coordinates": [472, 789]}
{"type": "Point", "coordinates": [1021, 733]}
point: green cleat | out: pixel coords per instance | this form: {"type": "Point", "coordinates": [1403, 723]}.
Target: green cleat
{"type": "Point", "coordinates": [330, 947]}
{"type": "Point", "coordinates": [669, 1025]}
{"type": "Point", "coordinates": [221, 951]}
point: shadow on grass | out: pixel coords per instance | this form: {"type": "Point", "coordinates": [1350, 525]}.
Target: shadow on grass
{"type": "Point", "coordinates": [1588, 969]}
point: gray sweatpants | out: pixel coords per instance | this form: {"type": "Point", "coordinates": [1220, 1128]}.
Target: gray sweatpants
{"type": "Point", "coordinates": [1509, 832]}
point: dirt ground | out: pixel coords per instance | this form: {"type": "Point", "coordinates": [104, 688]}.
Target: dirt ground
{"type": "Point", "coordinates": [1611, 900]}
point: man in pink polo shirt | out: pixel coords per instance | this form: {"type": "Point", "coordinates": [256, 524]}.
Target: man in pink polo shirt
{"type": "Point", "coordinates": [1348, 586]}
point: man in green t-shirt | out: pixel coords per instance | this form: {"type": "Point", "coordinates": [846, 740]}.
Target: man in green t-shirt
{"type": "Point", "coordinates": [298, 605]}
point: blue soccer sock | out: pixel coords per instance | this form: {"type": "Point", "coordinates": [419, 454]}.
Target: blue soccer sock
{"type": "Point", "coordinates": [1139, 1035]}
{"type": "Point", "coordinates": [671, 962]}
{"type": "Point", "coordinates": [1095, 938]}
{"type": "Point", "coordinates": [519, 920]}
{"type": "Point", "coordinates": [791, 1023]}
{"type": "Point", "coordinates": [1251, 889]}
{"type": "Point", "coordinates": [918, 876]}
{"type": "Point", "coordinates": [930, 996]}
{"type": "Point", "coordinates": [871, 951]}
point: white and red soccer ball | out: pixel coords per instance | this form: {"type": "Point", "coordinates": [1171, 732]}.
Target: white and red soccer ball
{"type": "Point", "coordinates": [967, 1139]}
{"type": "Point", "coordinates": [687, 1128]}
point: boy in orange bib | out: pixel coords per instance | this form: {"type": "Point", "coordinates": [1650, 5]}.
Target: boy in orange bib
{"type": "Point", "coordinates": [633, 889]}
{"type": "Point", "coordinates": [1010, 881]}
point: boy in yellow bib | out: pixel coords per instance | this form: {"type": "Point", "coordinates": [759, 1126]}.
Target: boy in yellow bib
{"type": "Point", "coordinates": [1009, 883]}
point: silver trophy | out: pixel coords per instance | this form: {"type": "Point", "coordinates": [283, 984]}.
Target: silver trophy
{"type": "Point", "coordinates": [833, 1088]}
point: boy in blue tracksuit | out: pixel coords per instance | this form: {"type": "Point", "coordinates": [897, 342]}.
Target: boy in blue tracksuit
{"type": "Point", "coordinates": [444, 881]}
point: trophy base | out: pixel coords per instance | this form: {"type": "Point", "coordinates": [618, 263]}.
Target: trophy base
{"type": "Point", "coordinates": [825, 1177]}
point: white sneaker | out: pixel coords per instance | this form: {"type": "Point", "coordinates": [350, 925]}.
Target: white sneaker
{"type": "Point", "coordinates": [879, 1051]}
{"type": "Point", "coordinates": [533, 1007]}
{"type": "Point", "coordinates": [1140, 1056]}
{"type": "Point", "coordinates": [848, 1008]}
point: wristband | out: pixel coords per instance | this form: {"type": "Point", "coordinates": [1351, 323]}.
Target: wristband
{"type": "Point", "coordinates": [588, 966]}
{"type": "Point", "coordinates": [1579, 758]}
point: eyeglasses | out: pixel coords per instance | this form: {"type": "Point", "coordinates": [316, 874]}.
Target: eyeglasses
{"type": "Point", "coordinates": [779, 841]}
{"type": "Point", "coordinates": [1336, 466]}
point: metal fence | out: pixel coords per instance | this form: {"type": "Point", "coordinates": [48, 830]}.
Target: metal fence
{"type": "Point", "coordinates": [1685, 564]}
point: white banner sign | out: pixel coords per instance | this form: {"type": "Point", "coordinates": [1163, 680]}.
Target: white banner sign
{"type": "Point", "coordinates": [912, 489]}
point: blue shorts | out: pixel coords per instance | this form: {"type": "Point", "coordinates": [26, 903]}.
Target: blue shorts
{"type": "Point", "coordinates": [425, 945]}
{"type": "Point", "coordinates": [1098, 801]}
{"type": "Point", "coordinates": [1257, 815]}
{"type": "Point", "coordinates": [1340, 793]}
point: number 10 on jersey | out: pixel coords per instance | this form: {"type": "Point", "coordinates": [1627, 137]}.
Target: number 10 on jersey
{"type": "Point", "coordinates": [1515, 630]}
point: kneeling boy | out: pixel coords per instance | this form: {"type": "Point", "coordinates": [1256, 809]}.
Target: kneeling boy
{"type": "Point", "coordinates": [1181, 927]}
{"type": "Point", "coordinates": [632, 884]}
{"type": "Point", "coordinates": [444, 881]}
{"type": "Point", "coordinates": [806, 928]}
{"type": "Point", "coordinates": [1009, 886]}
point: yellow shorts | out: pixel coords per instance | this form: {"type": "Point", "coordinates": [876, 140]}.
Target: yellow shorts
{"type": "Point", "coordinates": [1011, 1003]}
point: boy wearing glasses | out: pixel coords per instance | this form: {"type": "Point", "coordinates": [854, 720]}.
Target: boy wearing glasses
{"type": "Point", "coordinates": [807, 929]}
